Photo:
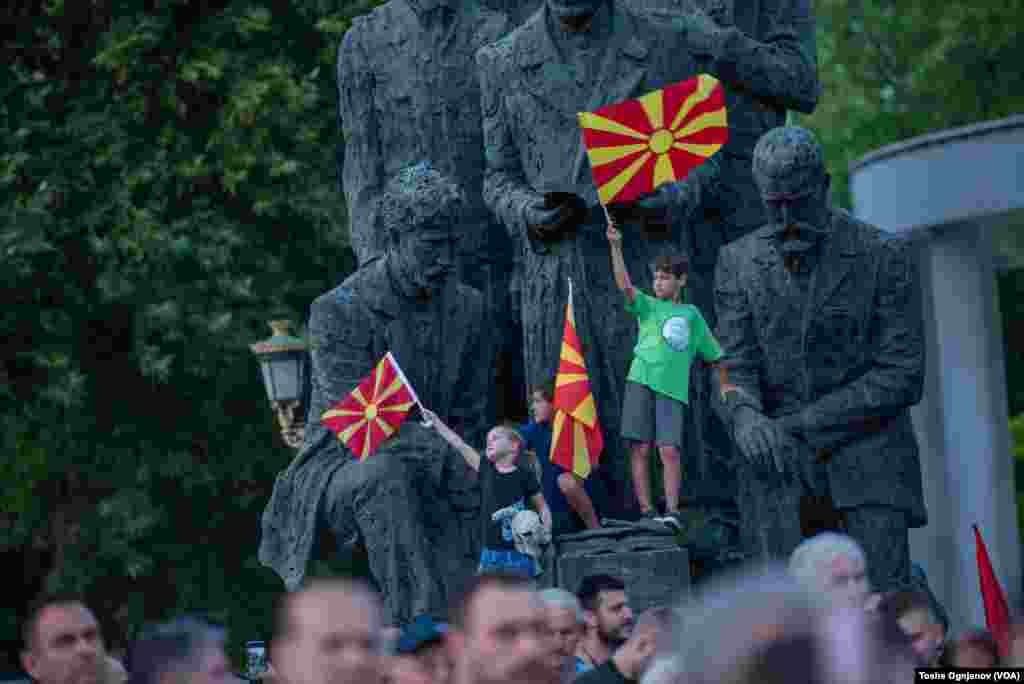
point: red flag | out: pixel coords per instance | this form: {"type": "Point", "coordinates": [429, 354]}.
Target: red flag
{"type": "Point", "coordinates": [997, 612]}
{"type": "Point", "coordinates": [374, 410]}
{"type": "Point", "coordinates": [576, 440]}
{"type": "Point", "coordinates": [637, 145]}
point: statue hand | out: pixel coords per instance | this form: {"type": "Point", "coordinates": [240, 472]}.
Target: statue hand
{"type": "Point", "coordinates": [660, 202]}
{"type": "Point", "coordinates": [790, 449]}
{"type": "Point", "coordinates": [537, 214]}
{"type": "Point", "coordinates": [787, 454]}
{"type": "Point", "coordinates": [547, 222]}
{"type": "Point", "coordinates": [758, 437]}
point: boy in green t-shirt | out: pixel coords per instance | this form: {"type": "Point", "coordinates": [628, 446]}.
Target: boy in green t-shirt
{"type": "Point", "coordinates": [672, 334]}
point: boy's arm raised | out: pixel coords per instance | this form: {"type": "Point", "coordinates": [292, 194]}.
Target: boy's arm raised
{"type": "Point", "coordinates": [618, 263]}
{"type": "Point", "coordinates": [471, 455]}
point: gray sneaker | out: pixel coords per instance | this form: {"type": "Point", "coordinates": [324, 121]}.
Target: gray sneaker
{"type": "Point", "coordinates": [673, 520]}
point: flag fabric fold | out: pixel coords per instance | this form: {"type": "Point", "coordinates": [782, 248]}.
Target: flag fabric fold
{"type": "Point", "coordinates": [576, 439]}
{"type": "Point", "coordinates": [637, 145]}
{"type": "Point", "coordinates": [374, 410]}
{"type": "Point", "coordinates": [997, 611]}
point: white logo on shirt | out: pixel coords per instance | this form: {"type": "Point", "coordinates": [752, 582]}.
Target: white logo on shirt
{"type": "Point", "coordinates": [676, 332]}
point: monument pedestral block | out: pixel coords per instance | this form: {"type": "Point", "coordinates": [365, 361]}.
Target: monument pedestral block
{"type": "Point", "coordinates": [646, 556]}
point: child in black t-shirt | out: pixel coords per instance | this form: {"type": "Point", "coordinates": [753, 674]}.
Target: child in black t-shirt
{"type": "Point", "coordinates": [505, 489]}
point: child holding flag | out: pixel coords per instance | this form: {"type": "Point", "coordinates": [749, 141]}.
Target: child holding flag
{"type": "Point", "coordinates": [505, 490]}
{"type": "Point", "coordinates": [672, 334]}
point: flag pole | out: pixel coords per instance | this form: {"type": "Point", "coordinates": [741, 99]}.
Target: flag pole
{"type": "Point", "coordinates": [405, 381]}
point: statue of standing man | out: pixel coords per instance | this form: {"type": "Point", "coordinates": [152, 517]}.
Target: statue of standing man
{"type": "Point", "coordinates": [408, 92]}
{"type": "Point", "coordinates": [820, 318]}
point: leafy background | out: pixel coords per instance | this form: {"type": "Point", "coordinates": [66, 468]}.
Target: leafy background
{"type": "Point", "coordinates": [168, 182]}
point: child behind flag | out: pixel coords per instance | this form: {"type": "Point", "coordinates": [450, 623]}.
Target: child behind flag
{"type": "Point", "coordinates": [566, 494]}
{"type": "Point", "coordinates": [672, 334]}
{"type": "Point", "coordinates": [505, 489]}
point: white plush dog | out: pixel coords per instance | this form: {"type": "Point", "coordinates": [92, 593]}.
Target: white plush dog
{"type": "Point", "coordinates": [529, 534]}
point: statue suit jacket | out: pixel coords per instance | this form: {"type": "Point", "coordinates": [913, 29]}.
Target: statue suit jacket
{"type": "Point", "coordinates": [407, 91]}
{"type": "Point", "coordinates": [350, 329]}
{"type": "Point", "coordinates": [532, 140]}
{"type": "Point", "coordinates": [846, 356]}
{"type": "Point", "coordinates": [767, 59]}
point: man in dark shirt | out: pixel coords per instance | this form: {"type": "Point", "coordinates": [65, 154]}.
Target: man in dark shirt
{"type": "Point", "coordinates": [608, 616]}
{"type": "Point", "coordinates": [632, 659]}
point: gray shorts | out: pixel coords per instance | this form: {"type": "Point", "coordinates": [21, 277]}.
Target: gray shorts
{"type": "Point", "coordinates": [651, 417]}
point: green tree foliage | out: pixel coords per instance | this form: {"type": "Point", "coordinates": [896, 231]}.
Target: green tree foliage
{"type": "Point", "coordinates": [894, 69]}
{"type": "Point", "coordinates": [167, 183]}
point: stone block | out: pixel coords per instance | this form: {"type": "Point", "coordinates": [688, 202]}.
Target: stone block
{"type": "Point", "coordinates": [647, 557]}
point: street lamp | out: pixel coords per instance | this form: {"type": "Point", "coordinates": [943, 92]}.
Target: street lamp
{"type": "Point", "coordinates": [284, 362]}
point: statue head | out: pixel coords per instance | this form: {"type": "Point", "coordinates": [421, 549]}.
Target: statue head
{"type": "Point", "coordinates": [789, 169]}
{"type": "Point", "coordinates": [419, 211]}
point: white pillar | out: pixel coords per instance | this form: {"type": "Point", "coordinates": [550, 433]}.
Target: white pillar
{"type": "Point", "coordinates": [962, 426]}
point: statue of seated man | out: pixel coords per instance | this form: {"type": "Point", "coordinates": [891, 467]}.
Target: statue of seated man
{"type": "Point", "coordinates": [413, 502]}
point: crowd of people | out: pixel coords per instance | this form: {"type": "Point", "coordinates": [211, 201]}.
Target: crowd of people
{"type": "Point", "coordinates": [815, 620]}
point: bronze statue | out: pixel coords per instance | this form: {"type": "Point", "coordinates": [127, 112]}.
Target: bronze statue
{"type": "Point", "coordinates": [764, 52]}
{"type": "Point", "coordinates": [408, 92]}
{"type": "Point", "coordinates": [412, 503]}
{"type": "Point", "coordinates": [819, 316]}
{"type": "Point", "coordinates": [573, 56]}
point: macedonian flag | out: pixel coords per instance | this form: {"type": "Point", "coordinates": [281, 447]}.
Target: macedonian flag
{"type": "Point", "coordinates": [637, 145]}
{"type": "Point", "coordinates": [576, 440]}
{"type": "Point", "coordinates": [374, 410]}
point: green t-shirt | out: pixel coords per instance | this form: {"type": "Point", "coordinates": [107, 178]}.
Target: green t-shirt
{"type": "Point", "coordinates": [671, 336]}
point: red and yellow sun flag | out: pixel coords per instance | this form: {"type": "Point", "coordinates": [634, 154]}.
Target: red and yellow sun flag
{"type": "Point", "coordinates": [374, 410]}
{"type": "Point", "coordinates": [997, 611]}
{"type": "Point", "coordinates": [576, 440]}
{"type": "Point", "coordinates": [637, 145]}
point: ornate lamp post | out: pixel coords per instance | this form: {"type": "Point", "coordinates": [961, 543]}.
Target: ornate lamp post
{"type": "Point", "coordinates": [284, 361]}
